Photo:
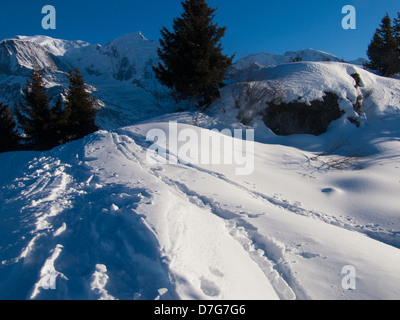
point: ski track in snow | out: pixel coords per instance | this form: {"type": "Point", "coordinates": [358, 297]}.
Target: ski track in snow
{"type": "Point", "coordinates": [51, 189]}
{"type": "Point", "coordinates": [277, 269]}
{"type": "Point", "coordinates": [275, 266]}
{"type": "Point", "coordinates": [376, 232]}
{"type": "Point", "coordinates": [83, 223]}
{"type": "Point", "coordinates": [244, 233]}
{"type": "Point", "coordinates": [236, 227]}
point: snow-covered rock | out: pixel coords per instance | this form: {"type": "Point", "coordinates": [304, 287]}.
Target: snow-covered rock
{"type": "Point", "coordinates": [360, 93]}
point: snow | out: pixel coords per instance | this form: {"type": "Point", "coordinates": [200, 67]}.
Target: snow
{"type": "Point", "coordinates": [95, 219]}
{"type": "Point", "coordinates": [265, 59]}
{"type": "Point", "coordinates": [17, 55]}
{"type": "Point", "coordinates": [57, 47]}
{"type": "Point", "coordinates": [118, 74]}
{"type": "Point", "coordinates": [99, 281]}
{"type": "Point", "coordinates": [107, 224]}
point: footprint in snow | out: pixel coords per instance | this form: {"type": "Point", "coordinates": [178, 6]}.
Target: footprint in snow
{"type": "Point", "coordinates": [330, 191]}
{"type": "Point", "coordinates": [310, 255]}
{"type": "Point", "coordinates": [216, 272]}
{"type": "Point", "coordinates": [209, 288]}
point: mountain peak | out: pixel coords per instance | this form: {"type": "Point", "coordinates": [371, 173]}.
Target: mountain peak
{"type": "Point", "coordinates": [128, 39]}
{"type": "Point", "coordinates": [57, 47]}
{"type": "Point", "coordinates": [270, 60]}
{"type": "Point", "coordinates": [139, 33]}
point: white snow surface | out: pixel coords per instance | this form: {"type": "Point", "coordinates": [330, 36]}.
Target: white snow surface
{"type": "Point", "coordinates": [95, 219]}
{"type": "Point", "coordinates": [119, 74]}
{"type": "Point", "coordinates": [108, 224]}
{"type": "Point", "coordinates": [270, 60]}
{"type": "Point", "coordinates": [57, 47]}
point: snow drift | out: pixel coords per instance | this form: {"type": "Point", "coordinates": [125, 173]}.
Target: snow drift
{"type": "Point", "coordinates": [95, 220]}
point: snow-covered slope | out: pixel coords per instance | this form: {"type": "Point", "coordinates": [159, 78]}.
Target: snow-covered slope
{"type": "Point", "coordinates": [126, 58]}
{"type": "Point", "coordinates": [99, 218]}
{"type": "Point", "coordinates": [122, 72]}
{"type": "Point", "coordinates": [57, 47]}
{"type": "Point", "coordinates": [95, 219]}
{"type": "Point", "coordinates": [118, 74]}
{"type": "Point", "coordinates": [265, 59]}
{"type": "Point", "coordinates": [20, 57]}
{"type": "Point", "coordinates": [361, 94]}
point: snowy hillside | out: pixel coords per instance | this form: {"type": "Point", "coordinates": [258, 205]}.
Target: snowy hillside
{"type": "Point", "coordinates": [305, 82]}
{"type": "Point", "coordinates": [56, 47]}
{"type": "Point", "coordinates": [119, 74]}
{"type": "Point", "coordinates": [270, 60]}
{"type": "Point", "coordinates": [102, 218]}
{"type": "Point", "coordinates": [105, 223]}
{"type": "Point", "coordinates": [150, 210]}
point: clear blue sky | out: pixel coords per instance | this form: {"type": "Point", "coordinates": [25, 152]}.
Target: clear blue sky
{"type": "Point", "coordinates": [253, 25]}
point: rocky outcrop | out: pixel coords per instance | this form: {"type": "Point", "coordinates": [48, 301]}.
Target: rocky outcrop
{"type": "Point", "coordinates": [301, 118]}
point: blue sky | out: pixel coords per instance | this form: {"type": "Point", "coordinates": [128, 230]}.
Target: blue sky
{"type": "Point", "coordinates": [253, 25]}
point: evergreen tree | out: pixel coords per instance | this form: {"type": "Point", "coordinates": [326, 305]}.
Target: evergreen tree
{"type": "Point", "coordinates": [8, 136]}
{"type": "Point", "coordinates": [383, 50]}
{"type": "Point", "coordinates": [193, 66]}
{"type": "Point", "coordinates": [396, 31]}
{"type": "Point", "coordinates": [58, 107]}
{"type": "Point", "coordinates": [60, 121]}
{"type": "Point", "coordinates": [79, 115]}
{"type": "Point", "coordinates": [35, 115]}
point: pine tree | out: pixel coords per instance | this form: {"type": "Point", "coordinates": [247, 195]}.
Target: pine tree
{"type": "Point", "coordinates": [8, 136]}
{"type": "Point", "coordinates": [58, 107]}
{"type": "Point", "coordinates": [60, 121]}
{"type": "Point", "coordinates": [193, 66]}
{"type": "Point", "coordinates": [35, 115]}
{"type": "Point", "coordinates": [79, 114]}
{"type": "Point", "coordinates": [396, 31]}
{"type": "Point", "coordinates": [383, 50]}
{"type": "Point", "coordinates": [375, 50]}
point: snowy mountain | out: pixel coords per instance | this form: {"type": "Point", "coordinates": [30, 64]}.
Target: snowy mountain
{"type": "Point", "coordinates": [144, 212]}
{"type": "Point", "coordinates": [19, 57]}
{"type": "Point", "coordinates": [56, 47]}
{"type": "Point", "coordinates": [118, 74]}
{"type": "Point", "coordinates": [359, 62]}
{"type": "Point", "coordinates": [271, 60]}
{"type": "Point", "coordinates": [126, 58]}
